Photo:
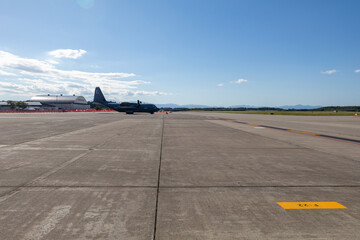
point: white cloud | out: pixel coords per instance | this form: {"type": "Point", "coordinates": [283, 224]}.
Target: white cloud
{"type": "Point", "coordinates": [43, 77]}
{"type": "Point", "coordinates": [6, 73]}
{"type": "Point", "coordinates": [357, 70]}
{"type": "Point", "coordinates": [39, 68]}
{"type": "Point", "coordinates": [240, 80]}
{"type": "Point", "coordinates": [67, 53]}
{"type": "Point", "coordinates": [145, 93]}
{"type": "Point", "coordinates": [10, 61]}
{"type": "Point", "coordinates": [33, 87]}
{"type": "Point", "coordinates": [329, 71]}
{"type": "Point", "coordinates": [220, 84]}
{"type": "Point", "coordinates": [51, 61]}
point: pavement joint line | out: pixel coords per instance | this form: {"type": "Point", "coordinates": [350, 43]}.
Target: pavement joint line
{"type": "Point", "coordinates": [17, 189]}
{"type": "Point", "coordinates": [225, 209]}
{"type": "Point", "coordinates": [13, 192]}
{"type": "Point", "coordinates": [59, 134]}
{"type": "Point", "coordinates": [265, 186]}
{"type": "Point", "coordinates": [159, 175]}
{"type": "Point", "coordinates": [340, 139]}
{"type": "Point", "coordinates": [256, 134]}
{"type": "Point", "coordinates": [248, 148]}
{"type": "Point", "coordinates": [70, 161]}
{"type": "Point", "coordinates": [299, 146]}
{"type": "Point", "coordinates": [74, 149]}
{"type": "Point", "coordinates": [212, 186]}
{"type": "Point", "coordinates": [78, 186]}
{"type": "Point", "coordinates": [54, 170]}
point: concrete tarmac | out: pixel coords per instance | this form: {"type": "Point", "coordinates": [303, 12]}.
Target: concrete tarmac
{"type": "Point", "coordinates": [178, 176]}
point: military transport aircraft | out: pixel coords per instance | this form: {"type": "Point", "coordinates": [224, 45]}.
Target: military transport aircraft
{"type": "Point", "coordinates": [127, 107]}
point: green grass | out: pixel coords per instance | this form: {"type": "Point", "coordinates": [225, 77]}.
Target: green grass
{"type": "Point", "coordinates": [299, 113]}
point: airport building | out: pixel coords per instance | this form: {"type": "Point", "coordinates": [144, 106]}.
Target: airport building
{"type": "Point", "coordinates": [5, 106]}
{"type": "Point", "coordinates": [61, 102]}
{"type": "Point", "coordinates": [52, 102]}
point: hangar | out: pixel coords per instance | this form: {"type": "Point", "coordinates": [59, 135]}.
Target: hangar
{"type": "Point", "coordinates": [61, 102]}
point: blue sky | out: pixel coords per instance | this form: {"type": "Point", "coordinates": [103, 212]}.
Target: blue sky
{"type": "Point", "coordinates": [216, 53]}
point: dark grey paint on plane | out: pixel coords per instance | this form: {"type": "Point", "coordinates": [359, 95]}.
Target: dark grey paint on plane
{"type": "Point", "coordinates": [127, 107]}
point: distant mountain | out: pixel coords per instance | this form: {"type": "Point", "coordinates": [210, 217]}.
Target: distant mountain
{"type": "Point", "coordinates": [244, 106]}
{"type": "Point", "coordinates": [299, 106]}
{"type": "Point", "coordinates": [172, 105]}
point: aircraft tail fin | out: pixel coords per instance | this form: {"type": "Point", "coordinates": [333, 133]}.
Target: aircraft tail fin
{"type": "Point", "coordinates": [99, 96]}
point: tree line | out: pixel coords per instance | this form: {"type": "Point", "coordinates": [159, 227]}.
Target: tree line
{"type": "Point", "coordinates": [17, 104]}
{"type": "Point", "coordinates": [325, 109]}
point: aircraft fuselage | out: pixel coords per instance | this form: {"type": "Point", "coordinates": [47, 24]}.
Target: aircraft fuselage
{"type": "Point", "coordinates": [127, 107]}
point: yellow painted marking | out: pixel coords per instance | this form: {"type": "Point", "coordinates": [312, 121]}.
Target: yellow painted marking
{"type": "Point", "coordinates": [251, 124]}
{"type": "Point", "coordinates": [229, 120]}
{"type": "Point", "coordinates": [296, 131]}
{"type": "Point", "coordinates": [310, 205]}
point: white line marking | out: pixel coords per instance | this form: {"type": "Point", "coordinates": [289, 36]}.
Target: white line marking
{"type": "Point", "coordinates": [19, 117]}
